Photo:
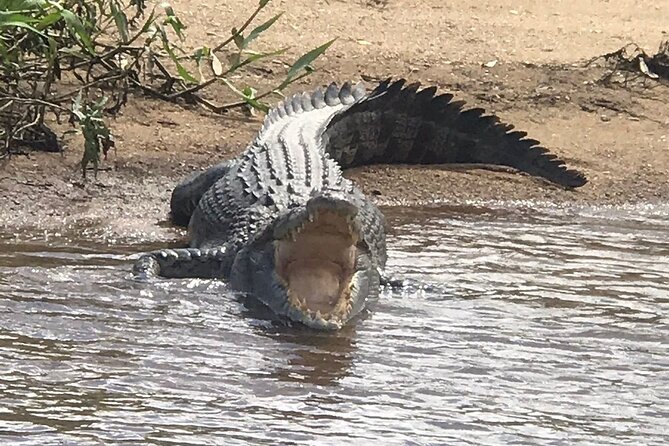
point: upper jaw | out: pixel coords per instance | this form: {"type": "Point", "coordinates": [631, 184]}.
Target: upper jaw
{"type": "Point", "coordinates": [296, 218]}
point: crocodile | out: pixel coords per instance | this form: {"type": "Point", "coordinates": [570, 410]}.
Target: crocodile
{"type": "Point", "coordinates": [281, 223]}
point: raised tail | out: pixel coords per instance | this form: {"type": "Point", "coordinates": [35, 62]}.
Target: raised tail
{"type": "Point", "coordinates": [397, 123]}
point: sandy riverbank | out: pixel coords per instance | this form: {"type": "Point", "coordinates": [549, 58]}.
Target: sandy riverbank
{"type": "Point", "coordinates": [619, 137]}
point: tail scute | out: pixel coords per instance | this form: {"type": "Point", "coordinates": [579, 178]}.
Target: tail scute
{"type": "Point", "coordinates": [398, 123]}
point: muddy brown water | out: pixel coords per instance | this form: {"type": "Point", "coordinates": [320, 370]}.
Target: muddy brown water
{"type": "Point", "coordinates": [516, 326]}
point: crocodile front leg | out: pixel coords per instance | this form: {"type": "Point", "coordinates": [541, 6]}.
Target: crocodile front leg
{"type": "Point", "coordinates": [184, 262]}
{"type": "Point", "coordinates": [187, 194]}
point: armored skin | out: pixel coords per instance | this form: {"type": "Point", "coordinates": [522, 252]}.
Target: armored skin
{"type": "Point", "coordinates": [282, 224]}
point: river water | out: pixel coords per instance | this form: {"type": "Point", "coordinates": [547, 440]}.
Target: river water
{"type": "Point", "coordinates": [516, 326]}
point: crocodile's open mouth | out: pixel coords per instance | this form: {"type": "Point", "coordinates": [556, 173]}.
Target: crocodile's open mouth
{"type": "Point", "coordinates": [316, 262]}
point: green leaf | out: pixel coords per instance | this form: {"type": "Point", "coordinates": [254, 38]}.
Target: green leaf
{"type": "Point", "coordinates": [249, 92]}
{"type": "Point", "coordinates": [263, 3]}
{"type": "Point", "coordinates": [121, 21]}
{"type": "Point", "coordinates": [259, 30]}
{"type": "Point", "coordinates": [53, 60]}
{"type": "Point", "coordinates": [97, 137]}
{"type": "Point", "coordinates": [77, 26]}
{"type": "Point", "coordinates": [257, 104]}
{"type": "Point", "coordinates": [13, 16]}
{"type": "Point", "coordinates": [99, 105]}
{"type": "Point", "coordinates": [48, 20]}
{"type": "Point", "coordinates": [201, 53]}
{"type": "Point", "coordinates": [15, 5]}
{"type": "Point", "coordinates": [304, 61]}
{"type": "Point", "coordinates": [149, 22]}
{"type": "Point", "coordinates": [238, 38]}
{"type": "Point", "coordinates": [174, 21]}
{"type": "Point", "coordinates": [22, 25]}
{"type": "Point", "coordinates": [248, 95]}
{"type": "Point", "coordinates": [256, 56]}
{"type": "Point", "coordinates": [183, 72]}
{"type": "Point", "coordinates": [76, 106]}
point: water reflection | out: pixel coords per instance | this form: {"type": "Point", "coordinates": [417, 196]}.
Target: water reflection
{"type": "Point", "coordinates": [316, 358]}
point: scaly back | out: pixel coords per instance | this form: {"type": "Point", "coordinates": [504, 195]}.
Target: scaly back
{"type": "Point", "coordinates": [283, 166]}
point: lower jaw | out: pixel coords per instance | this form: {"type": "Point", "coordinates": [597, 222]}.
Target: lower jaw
{"type": "Point", "coordinates": [311, 320]}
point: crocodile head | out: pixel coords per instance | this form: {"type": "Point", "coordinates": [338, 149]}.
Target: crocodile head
{"type": "Point", "coordinates": [311, 264]}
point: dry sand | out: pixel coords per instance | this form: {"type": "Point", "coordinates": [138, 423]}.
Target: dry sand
{"type": "Point", "coordinates": [619, 136]}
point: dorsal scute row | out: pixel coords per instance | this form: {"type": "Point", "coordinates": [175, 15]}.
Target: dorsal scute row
{"type": "Point", "coordinates": [305, 102]}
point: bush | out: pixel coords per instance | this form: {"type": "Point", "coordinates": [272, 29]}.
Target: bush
{"type": "Point", "coordinates": [82, 58]}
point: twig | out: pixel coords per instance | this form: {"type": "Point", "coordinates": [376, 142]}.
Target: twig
{"type": "Point", "coordinates": [231, 105]}
{"type": "Point", "coordinates": [240, 30]}
{"type": "Point", "coordinates": [88, 85]}
{"type": "Point", "coordinates": [193, 89]}
{"type": "Point", "coordinates": [35, 121]}
{"type": "Point", "coordinates": [36, 101]}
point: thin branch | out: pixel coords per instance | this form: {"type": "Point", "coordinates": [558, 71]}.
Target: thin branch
{"type": "Point", "coordinates": [162, 68]}
{"type": "Point", "coordinates": [35, 121]}
{"type": "Point", "coordinates": [88, 85]}
{"type": "Point", "coordinates": [36, 101]}
{"type": "Point", "coordinates": [225, 107]}
{"type": "Point", "coordinates": [240, 30]}
{"type": "Point", "coordinates": [193, 89]}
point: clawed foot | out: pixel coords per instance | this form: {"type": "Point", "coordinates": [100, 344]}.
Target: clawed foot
{"type": "Point", "coordinates": [182, 262]}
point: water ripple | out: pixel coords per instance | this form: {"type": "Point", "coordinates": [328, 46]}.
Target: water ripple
{"type": "Point", "coordinates": [517, 326]}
